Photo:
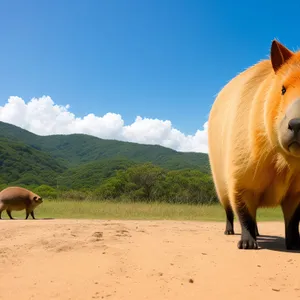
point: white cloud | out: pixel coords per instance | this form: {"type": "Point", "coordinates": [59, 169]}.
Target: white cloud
{"type": "Point", "coordinates": [42, 116]}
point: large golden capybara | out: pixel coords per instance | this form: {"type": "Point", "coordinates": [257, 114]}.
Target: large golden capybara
{"type": "Point", "coordinates": [254, 145]}
{"type": "Point", "coordinates": [18, 198]}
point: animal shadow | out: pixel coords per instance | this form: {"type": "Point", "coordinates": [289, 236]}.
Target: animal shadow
{"type": "Point", "coordinates": [273, 243]}
{"type": "Point", "coordinates": [37, 219]}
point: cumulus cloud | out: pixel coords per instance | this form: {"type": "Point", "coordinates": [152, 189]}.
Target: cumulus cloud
{"type": "Point", "coordinates": [42, 116]}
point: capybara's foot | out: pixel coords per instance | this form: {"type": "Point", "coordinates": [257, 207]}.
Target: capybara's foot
{"type": "Point", "coordinates": [229, 221]}
{"type": "Point", "coordinates": [229, 231]}
{"type": "Point", "coordinates": [248, 243]}
{"type": "Point", "coordinates": [293, 245]}
{"type": "Point", "coordinates": [229, 227]}
{"type": "Point", "coordinates": [292, 238]}
{"type": "Point", "coordinates": [249, 226]}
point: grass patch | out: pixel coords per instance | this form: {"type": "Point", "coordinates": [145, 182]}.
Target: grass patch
{"type": "Point", "coordinates": [60, 209]}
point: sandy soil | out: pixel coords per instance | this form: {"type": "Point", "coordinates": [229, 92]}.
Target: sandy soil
{"type": "Point", "coordinates": [159, 260]}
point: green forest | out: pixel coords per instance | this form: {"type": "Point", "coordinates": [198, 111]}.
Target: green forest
{"type": "Point", "coordinates": [79, 166]}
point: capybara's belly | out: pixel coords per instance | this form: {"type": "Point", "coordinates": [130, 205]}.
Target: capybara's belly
{"type": "Point", "coordinates": [16, 206]}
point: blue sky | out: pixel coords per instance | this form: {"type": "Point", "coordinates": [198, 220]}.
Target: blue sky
{"type": "Point", "coordinates": [157, 59]}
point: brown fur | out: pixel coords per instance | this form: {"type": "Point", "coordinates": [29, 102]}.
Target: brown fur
{"type": "Point", "coordinates": [17, 198]}
{"type": "Point", "coordinates": [248, 135]}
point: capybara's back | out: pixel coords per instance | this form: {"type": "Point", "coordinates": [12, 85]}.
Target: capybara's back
{"type": "Point", "coordinates": [229, 132]}
{"type": "Point", "coordinates": [18, 198]}
{"type": "Point", "coordinates": [254, 144]}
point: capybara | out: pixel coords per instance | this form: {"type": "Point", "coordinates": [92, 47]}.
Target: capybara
{"type": "Point", "coordinates": [18, 198]}
{"type": "Point", "coordinates": [254, 144]}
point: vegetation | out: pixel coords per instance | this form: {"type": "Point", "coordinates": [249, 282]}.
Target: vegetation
{"type": "Point", "coordinates": [21, 164]}
{"type": "Point", "coordinates": [137, 211]}
{"type": "Point", "coordinates": [79, 166]}
{"type": "Point", "coordinates": [76, 149]}
{"type": "Point", "coordinates": [139, 182]}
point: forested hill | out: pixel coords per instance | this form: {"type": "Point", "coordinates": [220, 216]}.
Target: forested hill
{"type": "Point", "coordinates": [27, 158]}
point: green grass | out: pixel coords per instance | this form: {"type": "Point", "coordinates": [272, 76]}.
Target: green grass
{"type": "Point", "coordinates": [137, 211]}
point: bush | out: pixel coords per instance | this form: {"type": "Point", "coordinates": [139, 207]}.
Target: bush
{"type": "Point", "coordinates": [46, 191]}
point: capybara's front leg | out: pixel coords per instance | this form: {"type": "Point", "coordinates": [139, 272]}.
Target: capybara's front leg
{"type": "Point", "coordinates": [32, 215]}
{"type": "Point", "coordinates": [291, 213]}
{"type": "Point", "coordinates": [9, 214]}
{"type": "Point", "coordinates": [246, 211]}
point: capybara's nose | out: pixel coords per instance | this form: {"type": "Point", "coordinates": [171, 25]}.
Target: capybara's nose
{"type": "Point", "coordinates": [294, 125]}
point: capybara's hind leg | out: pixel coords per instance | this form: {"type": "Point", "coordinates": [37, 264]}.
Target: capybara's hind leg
{"type": "Point", "coordinates": [2, 208]}
{"type": "Point", "coordinates": [291, 212]}
{"type": "Point", "coordinates": [9, 214]}
{"type": "Point", "coordinates": [224, 200]}
{"type": "Point", "coordinates": [247, 219]}
{"type": "Point", "coordinates": [229, 220]}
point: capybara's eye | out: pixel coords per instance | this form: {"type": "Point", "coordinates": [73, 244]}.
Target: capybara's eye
{"type": "Point", "coordinates": [283, 90]}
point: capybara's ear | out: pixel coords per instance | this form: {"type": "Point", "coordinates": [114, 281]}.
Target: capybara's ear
{"type": "Point", "coordinates": [35, 198]}
{"type": "Point", "coordinates": [279, 55]}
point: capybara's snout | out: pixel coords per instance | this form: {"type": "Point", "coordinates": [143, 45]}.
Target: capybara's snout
{"type": "Point", "coordinates": [294, 126]}
{"type": "Point", "coordinates": [38, 199]}
{"type": "Point", "coordinates": [289, 129]}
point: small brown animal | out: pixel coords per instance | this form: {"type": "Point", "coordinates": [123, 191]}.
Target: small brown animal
{"type": "Point", "coordinates": [18, 198]}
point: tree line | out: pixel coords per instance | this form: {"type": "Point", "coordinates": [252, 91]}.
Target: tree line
{"type": "Point", "coordinates": [142, 182]}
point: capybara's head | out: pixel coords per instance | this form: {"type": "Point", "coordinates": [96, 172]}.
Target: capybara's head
{"type": "Point", "coordinates": [283, 107]}
{"type": "Point", "coordinates": [37, 200]}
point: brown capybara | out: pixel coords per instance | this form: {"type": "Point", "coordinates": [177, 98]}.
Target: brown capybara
{"type": "Point", "coordinates": [254, 144]}
{"type": "Point", "coordinates": [17, 198]}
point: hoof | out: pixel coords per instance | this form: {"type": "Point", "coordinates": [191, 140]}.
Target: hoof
{"type": "Point", "coordinates": [247, 244]}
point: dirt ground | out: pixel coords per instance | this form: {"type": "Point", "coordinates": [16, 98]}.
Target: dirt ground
{"type": "Point", "coordinates": [159, 260]}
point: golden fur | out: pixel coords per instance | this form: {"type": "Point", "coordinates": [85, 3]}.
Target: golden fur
{"type": "Point", "coordinates": [249, 165]}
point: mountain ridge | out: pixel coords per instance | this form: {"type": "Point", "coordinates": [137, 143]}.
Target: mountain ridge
{"type": "Point", "coordinates": [76, 152]}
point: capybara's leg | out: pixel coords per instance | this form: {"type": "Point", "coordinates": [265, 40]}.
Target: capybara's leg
{"type": "Point", "coordinates": [27, 214]}
{"type": "Point", "coordinates": [229, 220]}
{"type": "Point", "coordinates": [256, 229]}
{"type": "Point", "coordinates": [291, 213]}
{"type": "Point", "coordinates": [224, 199]}
{"type": "Point", "coordinates": [246, 211]}
{"type": "Point", "coordinates": [9, 214]}
{"type": "Point", "coordinates": [2, 208]}
{"type": "Point", "coordinates": [32, 214]}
